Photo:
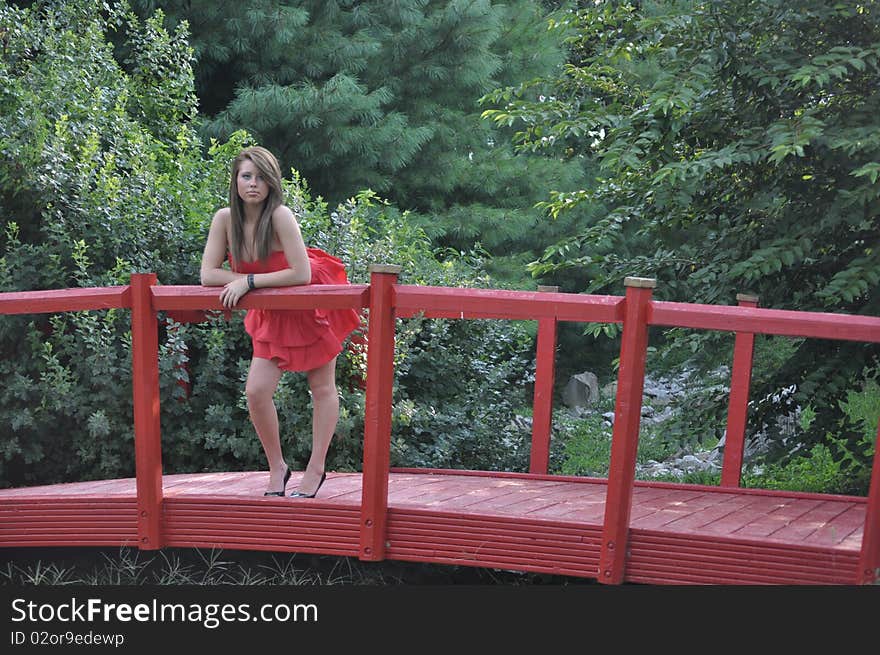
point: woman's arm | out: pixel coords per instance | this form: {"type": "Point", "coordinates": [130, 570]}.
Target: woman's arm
{"type": "Point", "coordinates": [235, 285]}
{"type": "Point", "coordinates": [212, 272]}
{"type": "Point", "coordinates": [299, 271]}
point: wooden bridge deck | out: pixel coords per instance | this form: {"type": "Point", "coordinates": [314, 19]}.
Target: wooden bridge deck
{"type": "Point", "coordinates": [679, 534]}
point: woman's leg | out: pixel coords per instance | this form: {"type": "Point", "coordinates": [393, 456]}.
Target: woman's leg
{"type": "Point", "coordinates": [262, 381]}
{"type": "Point", "coordinates": [325, 414]}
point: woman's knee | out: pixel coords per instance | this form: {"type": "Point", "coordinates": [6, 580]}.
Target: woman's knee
{"type": "Point", "coordinates": [262, 381]}
{"type": "Point", "coordinates": [258, 392]}
{"type": "Point", "coordinates": [324, 391]}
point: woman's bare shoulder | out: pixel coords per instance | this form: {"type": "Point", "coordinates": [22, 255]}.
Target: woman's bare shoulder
{"type": "Point", "coordinates": [222, 216]}
{"type": "Point", "coordinates": [283, 212]}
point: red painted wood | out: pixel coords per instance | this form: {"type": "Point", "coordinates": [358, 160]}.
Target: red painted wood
{"type": "Point", "coordinates": [819, 325]}
{"type": "Point", "coordinates": [674, 533]}
{"type": "Point", "coordinates": [869, 558]}
{"type": "Point", "coordinates": [804, 530]}
{"type": "Point", "coordinates": [328, 296]}
{"type": "Point", "coordinates": [377, 413]}
{"type": "Point", "coordinates": [778, 518]}
{"type": "Point", "coordinates": [64, 300]}
{"type": "Point", "coordinates": [625, 434]}
{"type": "Point", "coordinates": [542, 412]}
{"type": "Point", "coordinates": [738, 404]}
{"type": "Point", "coordinates": [147, 432]}
{"type": "Point", "coordinates": [226, 510]}
{"type": "Point", "coordinates": [499, 303]}
{"type": "Point", "coordinates": [690, 559]}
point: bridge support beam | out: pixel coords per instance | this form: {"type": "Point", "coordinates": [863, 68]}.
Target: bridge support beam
{"type": "Point", "coordinates": [738, 404]}
{"type": "Point", "coordinates": [147, 433]}
{"type": "Point", "coordinates": [545, 375]}
{"type": "Point", "coordinates": [625, 436]}
{"type": "Point", "coordinates": [869, 558]}
{"type": "Point", "coordinates": [377, 412]}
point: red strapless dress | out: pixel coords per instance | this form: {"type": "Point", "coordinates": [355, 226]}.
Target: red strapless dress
{"type": "Point", "coordinates": [300, 339]}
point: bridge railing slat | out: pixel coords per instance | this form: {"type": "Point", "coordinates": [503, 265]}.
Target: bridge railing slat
{"type": "Point", "coordinates": [403, 301]}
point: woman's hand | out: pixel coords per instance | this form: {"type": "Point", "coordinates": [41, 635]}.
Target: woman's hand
{"type": "Point", "coordinates": [233, 291]}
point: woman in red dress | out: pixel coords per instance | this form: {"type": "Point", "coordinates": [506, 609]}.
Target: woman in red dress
{"type": "Point", "coordinates": [262, 241]}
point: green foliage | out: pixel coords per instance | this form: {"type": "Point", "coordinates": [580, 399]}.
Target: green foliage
{"type": "Point", "coordinates": [587, 445]}
{"type": "Point", "coordinates": [95, 181]}
{"type": "Point", "coordinates": [382, 96]}
{"type": "Point", "coordinates": [582, 445]}
{"type": "Point", "coordinates": [735, 149]}
{"type": "Point", "coordinates": [819, 472]}
{"type": "Point", "coordinates": [102, 174]}
{"type": "Point", "coordinates": [457, 382]}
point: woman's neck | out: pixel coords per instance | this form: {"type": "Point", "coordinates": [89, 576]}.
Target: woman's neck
{"type": "Point", "coordinates": [251, 216]}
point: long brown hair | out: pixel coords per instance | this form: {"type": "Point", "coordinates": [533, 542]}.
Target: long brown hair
{"type": "Point", "coordinates": [268, 167]}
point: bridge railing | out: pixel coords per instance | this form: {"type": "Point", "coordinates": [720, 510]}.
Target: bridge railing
{"type": "Point", "coordinates": [387, 300]}
{"type": "Point", "coordinates": [637, 311]}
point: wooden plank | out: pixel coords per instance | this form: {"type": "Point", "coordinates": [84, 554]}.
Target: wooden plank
{"type": "Point", "coordinates": [743, 550]}
{"type": "Point", "coordinates": [844, 524]}
{"type": "Point", "coordinates": [510, 525]}
{"type": "Point", "coordinates": [377, 413]}
{"type": "Point", "coordinates": [784, 513]}
{"type": "Point", "coordinates": [528, 567]}
{"type": "Point", "coordinates": [505, 550]}
{"type": "Point", "coordinates": [181, 521]}
{"type": "Point", "coordinates": [313, 533]}
{"type": "Point", "coordinates": [147, 423]}
{"type": "Point", "coordinates": [562, 502]}
{"type": "Point", "coordinates": [65, 300]}
{"type": "Point", "coordinates": [738, 402]}
{"type": "Point", "coordinates": [542, 402]}
{"type": "Point", "coordinates": [732, 522]}
{"type": "Point", "coordinates": [696, 574]}
{"type": "Point", "coordinates": [326, 296]}
{"type": "Point", "coordinates": [805, 528]}
{"type": "Point", "coordinates": [569, 538]}
{"type": "Point", "coordinates": [447, 302]}
{"type": "Point", "coordinates": [625, 434]}
{"type": "Point", "coordinates": [695, 523]}
{"type": "Point", "coordinates": [656, 515]}
{"type": "Point", "coordinates": [743, 569]}
{"type": "Point", "coordinates": [819, 325]}
{"type": "Point", "coordinates": [746, 547]}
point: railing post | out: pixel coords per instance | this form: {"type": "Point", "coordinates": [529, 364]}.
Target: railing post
{"type": "Point", "coordinates": [869, 558]}
{"type": "Point", "coordinates": [545, 375]}
{"type": "Point", "coordinates": [738, 404]}
{"type": "Point", "coordinates": [377, 412]}
{"type": "Point", "coordinates": [625, 435]}
{"type": "Point", "coordinates": [147, 433]}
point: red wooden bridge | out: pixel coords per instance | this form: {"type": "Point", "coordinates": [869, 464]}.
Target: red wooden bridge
{"type": "Point", "coordinates": [613, 530]}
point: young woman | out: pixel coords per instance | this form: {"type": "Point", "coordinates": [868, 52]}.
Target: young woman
{"type": "Point", "coordinates": [262, 241]}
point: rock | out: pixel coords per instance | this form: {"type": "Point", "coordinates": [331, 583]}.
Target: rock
{"type": "Point", "coordinates": [582, 391]}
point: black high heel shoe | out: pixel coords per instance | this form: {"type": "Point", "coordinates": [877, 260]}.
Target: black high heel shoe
{"type": "Point", "coordinates": [283, 486]}
{"type": "Point", "coordinates": [299, 494]}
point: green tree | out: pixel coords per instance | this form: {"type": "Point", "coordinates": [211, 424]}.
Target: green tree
{"type": "Point", "coordinates": [383, 96]}
{"type": "Point", "coordinates": [737, 150]}
{"type": "Point", "coordinates": [102, 174]}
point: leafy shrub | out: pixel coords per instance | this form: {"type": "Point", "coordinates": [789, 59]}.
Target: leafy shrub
{"type": "Point", "coordinates": [96, 182]}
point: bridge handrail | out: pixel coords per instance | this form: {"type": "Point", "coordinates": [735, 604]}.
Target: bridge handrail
{"type": "Point", "coordinates": [814, 325]}
{"type": "Point", "coordinates": [387, 300]}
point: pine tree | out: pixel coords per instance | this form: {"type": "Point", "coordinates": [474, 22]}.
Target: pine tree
{"type": "Point", "coordinates": [384, 96]}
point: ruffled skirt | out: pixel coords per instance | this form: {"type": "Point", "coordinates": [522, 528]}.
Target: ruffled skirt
{"type": "Point", "coordinates": [304, 339]}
